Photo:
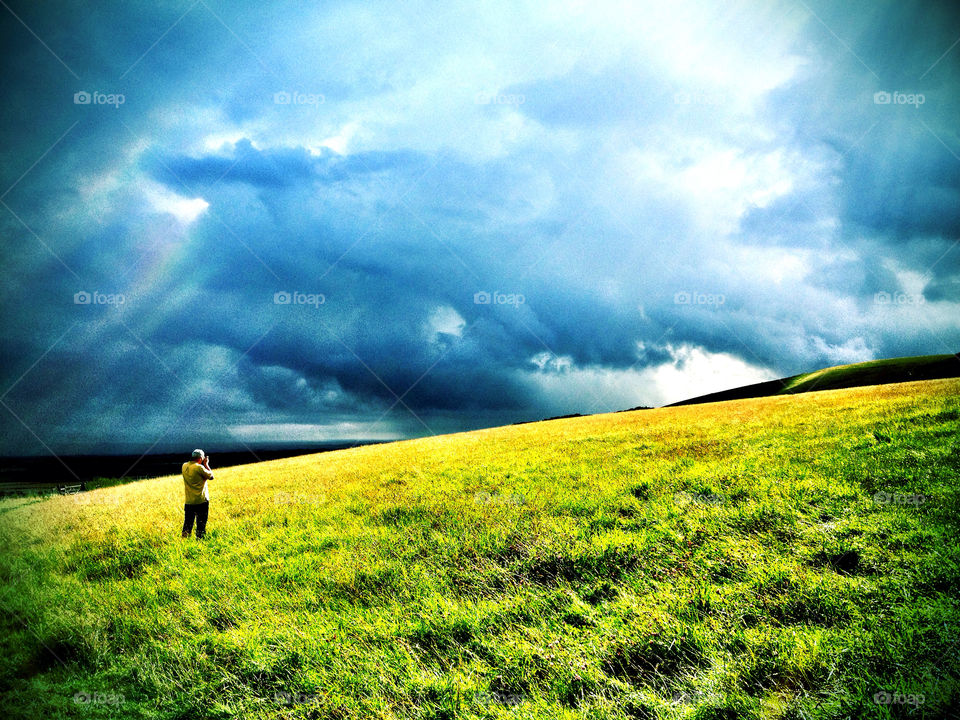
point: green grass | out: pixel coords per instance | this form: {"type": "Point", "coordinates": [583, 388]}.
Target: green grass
{"type": "Point", "coordinates": [783, 557]}
{"type": "Point", "coordinates": [873, 372]}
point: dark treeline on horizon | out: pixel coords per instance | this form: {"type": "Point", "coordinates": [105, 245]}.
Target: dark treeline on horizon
{"type": "Point", "coordinates": [73, 468]}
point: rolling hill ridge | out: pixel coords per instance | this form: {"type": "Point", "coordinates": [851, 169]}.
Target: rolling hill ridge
{"type": "Point", "coordinates": [773, 558]}
{"type": "Point", "coordinates": [873, 372]}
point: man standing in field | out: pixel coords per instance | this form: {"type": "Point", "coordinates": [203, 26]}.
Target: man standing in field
{"type": "Point", "coordinates": [196, 473]}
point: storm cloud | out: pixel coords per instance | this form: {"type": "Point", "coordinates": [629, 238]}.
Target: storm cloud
{"type": "Point", "coordinates": [234, 223]}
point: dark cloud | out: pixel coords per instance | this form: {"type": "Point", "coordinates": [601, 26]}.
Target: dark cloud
{"type": "Point", "coordinates": [498, 228]}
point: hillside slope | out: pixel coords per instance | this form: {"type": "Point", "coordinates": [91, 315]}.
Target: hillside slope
{"type": "Point", "coordinates": [782, 557]}
{"type": "Point", "coordinates": [873, 372]}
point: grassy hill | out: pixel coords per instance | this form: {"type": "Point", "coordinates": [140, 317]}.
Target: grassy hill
{"type": "Point", "coordinates": [781, 557]}
{"type": "Point", "coordinates": [874, 372]}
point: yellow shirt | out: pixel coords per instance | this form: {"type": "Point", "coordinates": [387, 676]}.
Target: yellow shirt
{"type": "Point", "coordinates": [195, 478]}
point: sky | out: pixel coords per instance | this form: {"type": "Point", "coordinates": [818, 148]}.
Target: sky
{"type": "Point", "coordinates": [237, 223]}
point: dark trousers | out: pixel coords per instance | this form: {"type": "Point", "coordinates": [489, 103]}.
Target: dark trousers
{"type": "Point", "coordinates": [198, 511]}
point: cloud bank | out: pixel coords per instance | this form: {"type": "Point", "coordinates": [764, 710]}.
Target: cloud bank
{"type": "Point", "coordinates": [371, 220]}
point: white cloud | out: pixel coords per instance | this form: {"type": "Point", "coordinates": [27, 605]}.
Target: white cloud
{"type": "Point", "coordinates": [692, 371]}
{"type": "Point", "coordinates": [695, 371]}
{"type": "Point", "coordinates": [186, 210]}
{"type": "Point", "coordinates": [444, 320]}
{"type": "Point", "coordinates": [851, 351]}
{"type": "Point", "coordinates": [311, 432]}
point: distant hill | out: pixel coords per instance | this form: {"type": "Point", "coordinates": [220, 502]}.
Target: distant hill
{"type": "Point", "coordinates": [48, 471]}
{"type": "Point", "coordinates": [555, 417]}
{"type": "Point", "coordinates": [874, 372]}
